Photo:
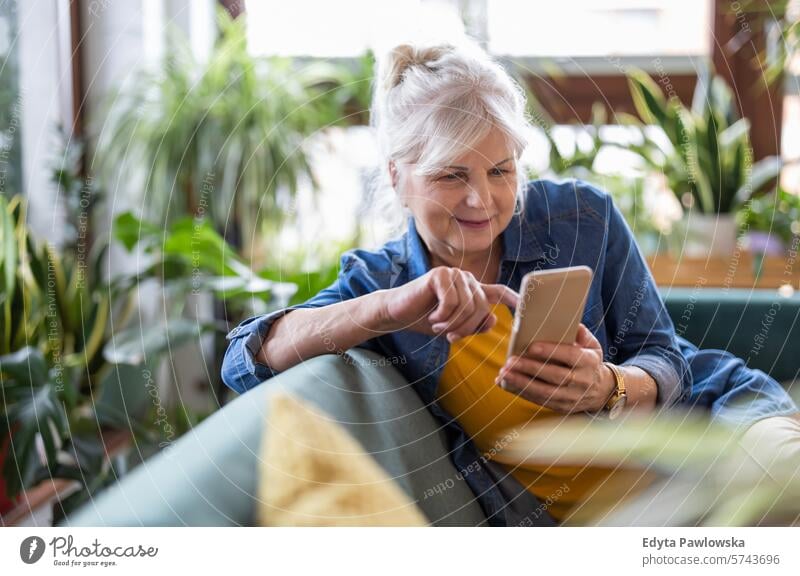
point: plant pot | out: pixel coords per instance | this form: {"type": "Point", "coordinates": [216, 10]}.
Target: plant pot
{"type": "Point", "coordinates": [709, 235]}
{"type": "Point", "coordinates": [6, 503]}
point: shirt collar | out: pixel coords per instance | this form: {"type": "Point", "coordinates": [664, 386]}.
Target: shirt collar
{"type": "Point", "coordinates": [519, 245]}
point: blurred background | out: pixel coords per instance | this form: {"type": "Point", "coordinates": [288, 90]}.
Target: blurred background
{"type": "Point", "coordinates": [170, 167]}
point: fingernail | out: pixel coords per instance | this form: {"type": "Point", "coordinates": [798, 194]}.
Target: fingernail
{"type": "Point", "coordinates": [536, 349]}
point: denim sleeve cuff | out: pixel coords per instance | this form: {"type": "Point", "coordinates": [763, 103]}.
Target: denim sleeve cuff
{"type": "Point", "coordinates": [252, 344]}
{"type": "Point", "coordinates": [667, 380]}
{"type": "Point", "coordinates": [252, 333]}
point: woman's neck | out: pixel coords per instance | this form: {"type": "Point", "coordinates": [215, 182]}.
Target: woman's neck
{"type": "Point", "coordinates": [485, 267]}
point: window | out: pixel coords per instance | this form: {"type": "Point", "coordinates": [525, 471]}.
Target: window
{"type": "Point", "coordinates": [345, 28]}
{"type": "Point", "coordinates": [599, 28]}
{"type": "Point", "coordinates": [10, 105]}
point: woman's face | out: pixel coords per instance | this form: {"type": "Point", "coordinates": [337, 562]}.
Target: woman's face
{"type": "Point", "coordinates": [461, 209]}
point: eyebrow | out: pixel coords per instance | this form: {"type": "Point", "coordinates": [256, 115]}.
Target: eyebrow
{"type": "Point", "coordinates": [467, 168]}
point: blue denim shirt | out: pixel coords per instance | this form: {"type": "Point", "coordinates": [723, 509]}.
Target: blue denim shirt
{"type": "Point", "coordinates": [563, 224]}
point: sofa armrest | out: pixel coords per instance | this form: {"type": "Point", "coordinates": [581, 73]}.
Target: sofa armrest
{"type": "Point", "coordinates": [208, 477]}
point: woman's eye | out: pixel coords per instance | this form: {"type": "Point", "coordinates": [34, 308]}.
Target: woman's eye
{"type": "Point", "coordinates": [453, 177]}
{"type": "Point", "coordinates": [499, 172]}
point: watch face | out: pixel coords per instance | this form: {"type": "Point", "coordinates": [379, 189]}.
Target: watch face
{"type": "Point", "coordinates": [616, 409]}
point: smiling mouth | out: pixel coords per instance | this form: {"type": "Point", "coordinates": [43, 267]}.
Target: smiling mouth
{"type": "Point", "coordinates": [474, 223]}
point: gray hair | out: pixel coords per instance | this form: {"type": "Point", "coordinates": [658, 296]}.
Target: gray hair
{"type": "Point", "coordinates": [431, 104]}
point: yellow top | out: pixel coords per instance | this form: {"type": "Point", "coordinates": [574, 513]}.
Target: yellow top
{"type": "Point", "coordinates": [487, 413]}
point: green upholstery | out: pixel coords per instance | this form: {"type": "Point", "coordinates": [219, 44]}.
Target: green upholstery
{"type": "Point", "coordinates": [759, 326]}
{"type": "Point", "coordinates": [208, 477]}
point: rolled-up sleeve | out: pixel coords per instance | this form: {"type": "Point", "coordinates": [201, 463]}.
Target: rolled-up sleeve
{"type": "Point", "coordinates": [240, 369]}
{"type": "Point", "coordinates": [641, 333]}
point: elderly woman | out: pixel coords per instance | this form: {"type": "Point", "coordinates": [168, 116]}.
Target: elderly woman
{"type": "Point", "coordinates": [451, 125]}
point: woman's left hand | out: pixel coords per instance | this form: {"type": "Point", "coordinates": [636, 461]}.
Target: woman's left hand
{"type": "Point", "coordinates": [563, 377]}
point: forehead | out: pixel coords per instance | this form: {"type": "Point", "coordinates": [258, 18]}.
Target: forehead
{"type": "Point", "coordinates": [493, 148]}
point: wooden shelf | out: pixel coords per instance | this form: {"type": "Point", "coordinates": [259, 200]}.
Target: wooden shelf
{"type": "Point", "coordinates": [734, 272]}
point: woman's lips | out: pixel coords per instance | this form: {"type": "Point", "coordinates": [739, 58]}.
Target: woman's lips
{"type": "Point", "coordinates": [473, 223]}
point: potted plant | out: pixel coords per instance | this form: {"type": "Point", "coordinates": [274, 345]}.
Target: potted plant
{"type": "Point", "coordinates": [771, 225]}
{"type": "Point", "coordinates": [67, 373]}
{"type": "Point", "coordinates": [628, 190]}
{"type": "Point", "coordinates": [224, 139]}
{"type": "Point", "coordinates": [706, 158]}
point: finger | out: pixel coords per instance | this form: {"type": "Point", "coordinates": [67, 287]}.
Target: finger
{"type": "Point", "coordinates": [554, 374]}
{"type": "Point", "coordinates": [481, 310]}
{"type": "Point", "coordinates": [499, 293]}
{"type": "Point", "coordinates": [468, 317]}
{"type": "Point", "coordinates": [533, 390]}
{"type": "Point", "coordinates": [455, 318]}
{"type": "Point", "coordinates": [560, 399]}
{"type": "Point", "coordinates": [489, 322]}
{"type": "Point", "coordinates": [447, 297]}
{"type": "Point", "coordinates": [566, 354]}
{"type": "Point", "coordinates": [585, 338]}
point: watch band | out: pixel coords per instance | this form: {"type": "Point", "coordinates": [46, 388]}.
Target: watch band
{"type": "Point", "coordinates": [619, 391]}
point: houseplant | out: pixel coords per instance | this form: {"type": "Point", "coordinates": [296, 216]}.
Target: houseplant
{"type": "Point", "coordinates": [706, 158]}
{"type": "Point", "coordinates": [783, 39]}
{"type": "Point", "coordinates": [694, 470]}
{"type": "Point", "coordinates": [189, 256]}
{"type": "Point", "coordinates": [224, 139]}
{"type": "Point", "coordinates": [579, 162]}
{"type": "Point", "coordinates": [72, 360]}
{"type": "Point", "coordinates": [771, 225]}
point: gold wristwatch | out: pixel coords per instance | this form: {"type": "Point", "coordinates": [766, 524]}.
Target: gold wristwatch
{"type": "Point", "coordinates": [619, 398]}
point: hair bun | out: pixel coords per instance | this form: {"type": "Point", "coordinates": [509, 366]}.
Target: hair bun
{"type": "Point", "coordinates": [404, 56]}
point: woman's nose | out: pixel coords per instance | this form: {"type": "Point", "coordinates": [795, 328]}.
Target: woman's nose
{"type": "Point", "coordinates": [478, 196]}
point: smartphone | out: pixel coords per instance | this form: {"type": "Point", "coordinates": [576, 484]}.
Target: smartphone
{"type": "Point", "coordinates": [551, 304]}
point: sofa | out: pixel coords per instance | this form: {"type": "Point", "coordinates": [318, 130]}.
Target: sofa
{"type": "Point", "coordinates": [209, 476]}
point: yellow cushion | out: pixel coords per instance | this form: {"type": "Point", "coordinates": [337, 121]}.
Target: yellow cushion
{"type": "Point", "coordinates": [312, 472]}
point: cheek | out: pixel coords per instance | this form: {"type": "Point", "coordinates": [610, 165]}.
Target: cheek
{"type": "Point", "coordinates": [505, 204]}
{"type": "Point", "coordinates": [507, 198]}
{"type": "Point", "coordinates": [438, 209]}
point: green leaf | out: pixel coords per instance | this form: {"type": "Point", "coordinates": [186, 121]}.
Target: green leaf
{"type": "Point", "coordinates": [717, 179]}
{"type": "Point", "coordinates": [37, 413]}
{"type": "Point", "coordinates": [130, 230]}
{"type": "Point", "coordinates": [25, 367]}
{"type": "Point", "coordinates": [735, 133]}
{"type": "Point", "coordinates": [137, 345]}
{"type": "Point", "coordinates": [648, 99]}
{"type": "Point", "coordinates": [761, 174]}
{"type": "Point", "coordinates": [9, 252]}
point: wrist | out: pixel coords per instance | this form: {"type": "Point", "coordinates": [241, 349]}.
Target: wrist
{"type": "Point", "coordinates": [642, 388]}
{"type": "Point", "coordinates": [608, 382]}
{"type": "Point", "coordinates": [379, 318]}
{"type": "Point", "coordinates": [619, 398]}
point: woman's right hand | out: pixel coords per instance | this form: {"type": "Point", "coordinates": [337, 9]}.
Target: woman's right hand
{"type": "Point", "coordinates": [445, 301]}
